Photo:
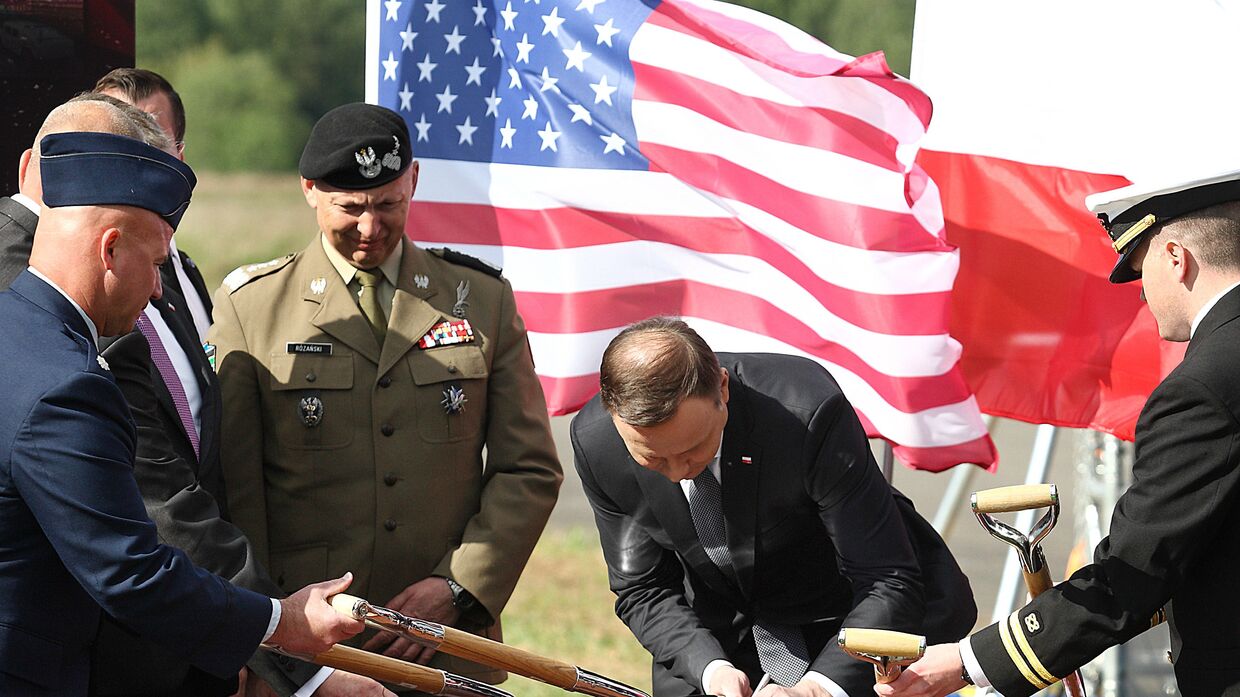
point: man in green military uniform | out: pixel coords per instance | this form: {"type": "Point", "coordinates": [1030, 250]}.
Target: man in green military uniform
{"type": "Point", "coordinates": [362, 378]}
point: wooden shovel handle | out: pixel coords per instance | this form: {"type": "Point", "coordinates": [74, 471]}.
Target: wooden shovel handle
{"type": "Point", "coordinates": [492, 653]}
{"type": "Point", "coordinates": [487, 652]}
{"type": "Point", "coordinates": [379, 667]}
{"type": "Point", "coordinates": [1014, 498]}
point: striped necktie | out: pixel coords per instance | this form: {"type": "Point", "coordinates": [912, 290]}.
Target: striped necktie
{"type": "Point", "coordinates": [781, 647]}
{"type": "Point", "coordinates": [159, 356]}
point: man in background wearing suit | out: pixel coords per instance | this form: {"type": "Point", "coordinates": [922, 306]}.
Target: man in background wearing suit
{"type": "Point", "coordinates": [744, 520]}
{"type": "Point", "coordinates": [74, 536]}
{"type": "Point", "coordinates": [1175, 534]}
{"type": "Point", "coordinates": [169, 382]}
{"type": "Point", "coordinates": [150, 92]}
{"type": "Point", "coordinates": [19, 214]}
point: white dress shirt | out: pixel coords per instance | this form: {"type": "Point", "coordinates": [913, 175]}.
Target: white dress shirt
{"type": "Point", "coordinates": [197, 310]}
{"type": "Point", "coordinates": [27, 202]}
{"type": "Point", "coordinates": [1205, 309]}
{"type": "Point", "coordinates": [180, 362]}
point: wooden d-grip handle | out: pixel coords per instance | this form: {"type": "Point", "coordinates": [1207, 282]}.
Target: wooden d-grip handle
{"type": "Point", "coordinates": [896, 646]}
{"type": "Point", "coordinates": [379, 667]}
{"type": "Point", "coordinates": [1014, 498]}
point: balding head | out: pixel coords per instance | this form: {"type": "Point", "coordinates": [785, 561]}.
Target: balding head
{"type": "Point", "coordinates": [654, 365]}
{"type": "Point", "coordinates": [93, 112]}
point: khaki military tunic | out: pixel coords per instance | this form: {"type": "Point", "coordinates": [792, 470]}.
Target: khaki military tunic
{"type": "Point", "coordinates": [342, 456]}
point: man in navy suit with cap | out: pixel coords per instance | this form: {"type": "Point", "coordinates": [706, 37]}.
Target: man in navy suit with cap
{"type": "Point", "coordinates": [1174, 542]}
{"type": "Point", "coordinates": [74, 536]}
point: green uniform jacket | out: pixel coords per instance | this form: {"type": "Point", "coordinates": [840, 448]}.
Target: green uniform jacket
{"type": "Point", "coordinates": [388, 484]}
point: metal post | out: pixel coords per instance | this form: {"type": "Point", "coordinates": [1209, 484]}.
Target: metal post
{"type": "Point", "coordinates": [1039, 464]}
{"type": "Point", "coordinates": [952, 506]}
{"type": "Point", "coordinates": [889, 462]}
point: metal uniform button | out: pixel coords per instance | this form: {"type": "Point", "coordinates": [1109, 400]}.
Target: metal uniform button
{"type": "Point", "coordinates": [311, 377]}
{"type": "Point", "coordinates": [452, 369]}
{"type": "Point", "coordinates": [389, 479]}
{"type": "Point", "coordinates": [387, 430]}
{"type": "Point", "coordinates": [385, 381]}
{"type": "Point", "coordinates": [389, 525]}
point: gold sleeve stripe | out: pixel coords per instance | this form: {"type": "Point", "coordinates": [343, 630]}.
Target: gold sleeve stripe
{"type": "Point", "coordinates": [1027, 650]}
{"type": "Point", "coordinates": [1159, 617]}
{"type": "Point", "coordinates": [1019, 660]}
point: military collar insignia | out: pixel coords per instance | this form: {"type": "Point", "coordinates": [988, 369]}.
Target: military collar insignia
{"type": "Point", "coordinates": [318, 285]}
{"type": "Point", "coordinates": [421, 281]}
{"type": "Point", "coordinates": [103, 363]}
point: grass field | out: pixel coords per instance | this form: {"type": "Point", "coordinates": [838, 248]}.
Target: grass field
{"type": "Point", "coordinates": [562, 607]}
{"type": "Point", "coordinates": [242, 219]}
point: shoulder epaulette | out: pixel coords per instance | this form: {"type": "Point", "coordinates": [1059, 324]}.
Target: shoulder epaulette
{"type": "Point", "coordinates": [244, 274]}
{"type": "Point", "coordinates": [462, 259]}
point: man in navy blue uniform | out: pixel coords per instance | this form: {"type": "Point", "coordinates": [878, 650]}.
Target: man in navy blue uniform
{"type": "Point", "coordinates": [74, 535]}
{"type": "Point", "coordinates": [1174, 542]}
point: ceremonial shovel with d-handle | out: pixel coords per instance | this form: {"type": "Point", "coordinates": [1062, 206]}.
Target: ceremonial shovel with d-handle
{"type": "Point", "coordinates": [1028, 548]}
{"type": "Point", "coordinates": [482, 650]}
{"type": "Point", "coordinates": [888, 651]}
{"type": "Point", "coordinates": [398, 672]}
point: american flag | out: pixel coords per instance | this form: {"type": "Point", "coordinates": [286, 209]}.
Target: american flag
{"type": "Point", "coordinates": [623, 158]}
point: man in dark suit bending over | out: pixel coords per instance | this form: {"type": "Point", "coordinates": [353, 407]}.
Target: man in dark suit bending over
{"type": "Point", "coordinates": [744, 520]}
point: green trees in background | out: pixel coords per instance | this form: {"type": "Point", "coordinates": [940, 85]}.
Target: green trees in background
{"type": "Point", "coordinates": [855, 27]}
{"type": "Point", "coordinates": [255, 74]}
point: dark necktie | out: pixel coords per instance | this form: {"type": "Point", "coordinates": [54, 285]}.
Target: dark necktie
{"type": "Point", "coordinates": [368, 301]}
{"type": "Point", "coordinates": [159, 356]}
{"type": "Point", "coordinates": [781, 647]}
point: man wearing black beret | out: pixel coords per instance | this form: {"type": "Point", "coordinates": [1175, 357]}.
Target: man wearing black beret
{"type": "Point", "coordinates": [1174, 542]}
{"type": "Point", "coordinates": [362, 378]}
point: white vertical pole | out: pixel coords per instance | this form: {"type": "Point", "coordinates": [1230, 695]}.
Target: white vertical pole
{"type": "Point", "coordinates": [1039, 464]}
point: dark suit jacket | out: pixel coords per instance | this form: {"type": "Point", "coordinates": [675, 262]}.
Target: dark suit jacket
{"type": "Point", "coordinates": [169, 276]}
{"type": "Point", "coordinates": [184, 495]}
{"type": "Point", "coordinates": [17, 225]}
{"type": "Point", "coordinates": [74, 535]}
{"type": "Point", "coordinates": [1175, 536]}
{"type": "Point", "coordinates": [816, 537]}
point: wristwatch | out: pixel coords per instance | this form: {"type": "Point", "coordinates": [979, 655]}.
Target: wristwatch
{"type": "Point", "coordinates": [964, 674]}
{"type": "Point", "coordinates": [462, 599]}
